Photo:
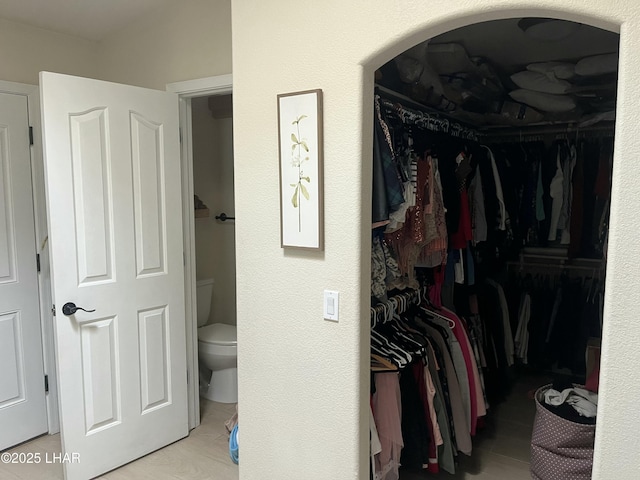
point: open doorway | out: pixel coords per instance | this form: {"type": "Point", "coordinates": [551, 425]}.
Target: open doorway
{"type": "Point", "coordinates": [493, 153]}
{"type": "Point", "coordinates": [212, 119]}
{"type": "Point", "coordinates": [212, 99]}
{"type": "Point", "coordinates": [212, 137]}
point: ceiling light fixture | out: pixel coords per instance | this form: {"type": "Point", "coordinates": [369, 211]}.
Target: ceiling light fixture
{"type": "Point", "coordinates": [548, 29]}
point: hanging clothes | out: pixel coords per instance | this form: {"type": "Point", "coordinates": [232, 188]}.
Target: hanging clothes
{"type": "Point", "coordinates": [557, 196]}
{"type": "Point", "coordinates": [454, 214]}
{"type": "Point", "coordinates": [457, 410]}
{"type": "Point", "coordinates": [446, 455]}
{"type": "Point", "coordinates": [387, 412]}
{"type": "Point", "coordinates": [552, 193]}
{"type": "Point", "coordinates": [385, 274]}
{"type": "Point", "coordinates": [503, 312]}
{"type": "Point", "coordinates": [478, 216]}
{"type": "Point", "coordinates": [502, 209]}
{"type": "Point", "coordinates": [387, 183]}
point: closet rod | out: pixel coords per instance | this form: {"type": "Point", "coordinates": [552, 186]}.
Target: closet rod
{"type": "Point", "coordinates": [567, 266]}
{"type": "Point", "coordinates": [387, 93]}
{"type": "Point", "coordinates": [536, 130]}
{"type": "Point", "coordinates": [562, 259]}
{"type": "Point", "coordinates": [397, 304]}
{"type": "Point", "coordinates": [392, 100]}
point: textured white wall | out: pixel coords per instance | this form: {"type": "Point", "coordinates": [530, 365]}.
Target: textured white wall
{"type": "Point", "coordinates": [27, 50]}
{"type": "Point", "coordinates": [186, 40]}
{"type": "Point", "coordinates": [189, 39]}
{"type": "Point", "coordinates": [304, 381]}
{"type": "Point", "coordinates": [213, 183]}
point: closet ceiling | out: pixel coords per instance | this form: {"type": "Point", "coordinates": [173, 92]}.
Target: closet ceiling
{"type": "Point", "coordinates": [506, 45]}
{"type": "Point", "coordinates": [467, 73]}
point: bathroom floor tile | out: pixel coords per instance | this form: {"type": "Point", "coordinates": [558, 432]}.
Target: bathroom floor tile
{"type": "Point", "coordinates": [204, 454]}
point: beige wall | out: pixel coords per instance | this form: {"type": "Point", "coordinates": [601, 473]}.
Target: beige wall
{"type": "Point", "coordinates": [186, 40]}
{"type": "Point", "coordinates": [213, 183]}
{"type": "Point", "coordinates": [27, 50]}
{"type": "Point", "coordinates": [303, 387]}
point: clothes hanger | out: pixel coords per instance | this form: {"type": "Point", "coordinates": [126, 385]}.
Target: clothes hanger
{"type": "Point", "coordinates": [389, 312]}
{"type": "Point", "coordinates": [404, 305]}
{"type": "Point", "coordinates": [385, 336]}
{"type": "Point", "coordinates": [395, 305]}
{"type": "Point", "coordinates": [407, 336]}
{"type": "Point", "coordinates": [390, 356]}
{"type": "Point", "coordinates": [449, 321]}
{"type": "Point", "coordinates": [381, 345]}
{"type": "Point", "coordinates": [381, 360]}
{"type": "Point", "coordinates": [381, 364]}
{"type": "Point", "coordinates": [381, 313]}
{"type": "Point", "coordinates": [406, 342]}
{"type": "Point", "coordinates": [378, 308]}
{"type": "Point", "coordinates": [427, 307]}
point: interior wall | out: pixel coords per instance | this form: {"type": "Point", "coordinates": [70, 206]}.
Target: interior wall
{"type": "Point", "coordinates": [183, 41]}
{"type": "Point", "coordinates": [27, 50]}
{"type": "Point", "coordinates": [213, 183]}
{"type": "Point", "coordinates": [186, 40]}
{"type": "Point", "coordinates": [304, 383]}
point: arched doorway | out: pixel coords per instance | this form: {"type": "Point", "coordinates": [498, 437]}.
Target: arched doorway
{"type": "Point", "coordinates": [404, 86]}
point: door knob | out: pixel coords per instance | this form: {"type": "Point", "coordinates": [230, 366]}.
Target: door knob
{"type": "Point", "coordinates": [70, 309]}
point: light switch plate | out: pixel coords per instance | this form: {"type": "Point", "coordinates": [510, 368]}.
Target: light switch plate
{"type": "Point", "coordinates": [331, 309]}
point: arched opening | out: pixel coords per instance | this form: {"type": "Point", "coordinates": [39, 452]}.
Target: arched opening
{"type": "Point", "coordinates": [492, 160]}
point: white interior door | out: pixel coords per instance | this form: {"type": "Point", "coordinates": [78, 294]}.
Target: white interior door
{"type": "Point", "coordinates": [23, 412]}
{"type": "Point", "coordinates": [115, 225]}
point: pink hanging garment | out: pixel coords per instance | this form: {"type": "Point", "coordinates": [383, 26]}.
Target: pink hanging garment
{"type": "Point", "coordinates": [387, 411]}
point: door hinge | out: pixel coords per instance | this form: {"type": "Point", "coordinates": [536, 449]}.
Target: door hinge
{"type": "Point", "coordinates": [46, 384]}
{"type": "Point", "coordinates": [53, 310]}
{"type": "Point", "coordinates": [38, 261]}
{"type": "Point", "coordinates": [30, 135]}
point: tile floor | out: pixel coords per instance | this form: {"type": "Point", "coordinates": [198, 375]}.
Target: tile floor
{"type": "Point", "coordinates": [501, 451]}
{"type": "Point", "coordinates": [204, 454]}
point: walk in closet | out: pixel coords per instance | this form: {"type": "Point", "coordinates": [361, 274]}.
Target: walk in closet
{"type": "Point", "coordinates": [492, 160]}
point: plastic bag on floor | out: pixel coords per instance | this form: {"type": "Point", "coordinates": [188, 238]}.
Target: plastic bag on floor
{"type": "Point", "coordinates": [232, 422]}
{"type": "Point", "coordinates": [233, 445]}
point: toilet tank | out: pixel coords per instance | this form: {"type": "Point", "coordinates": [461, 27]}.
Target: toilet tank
{"type": "Point", "coordinates": [204, 292]}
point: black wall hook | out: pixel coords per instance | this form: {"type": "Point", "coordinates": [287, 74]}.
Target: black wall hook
{"type": "Point", "coordinates": [223, 217]}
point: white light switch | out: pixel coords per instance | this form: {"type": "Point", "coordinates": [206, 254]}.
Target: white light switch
{"type": "Point", "coordinates": [331, 304]}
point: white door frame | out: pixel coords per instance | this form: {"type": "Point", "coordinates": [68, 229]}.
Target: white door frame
{"type": "Point", "coordinates": [218, 85]}
{"type": "Point", "coordinates": [42, 248]}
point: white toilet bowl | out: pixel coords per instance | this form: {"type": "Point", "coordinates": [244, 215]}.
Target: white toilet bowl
{"type": "Point", "coordinates": [218, 352]}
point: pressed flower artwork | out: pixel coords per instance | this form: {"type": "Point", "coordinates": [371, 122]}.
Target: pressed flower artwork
{"type": "Point", "coordinates": [299, 155]}
{"type": "Point", "coordinates": [300, 142]}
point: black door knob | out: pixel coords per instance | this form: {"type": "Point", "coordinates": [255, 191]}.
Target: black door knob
{"type": "Point", "coordinates": [70, 309]}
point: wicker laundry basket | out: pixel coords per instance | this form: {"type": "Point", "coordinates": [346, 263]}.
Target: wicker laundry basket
{"type": "Point", "coordinates": [560, 449]}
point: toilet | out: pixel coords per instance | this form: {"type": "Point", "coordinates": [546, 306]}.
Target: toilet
{"type": "Point", "coordinates": [217, 351]}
